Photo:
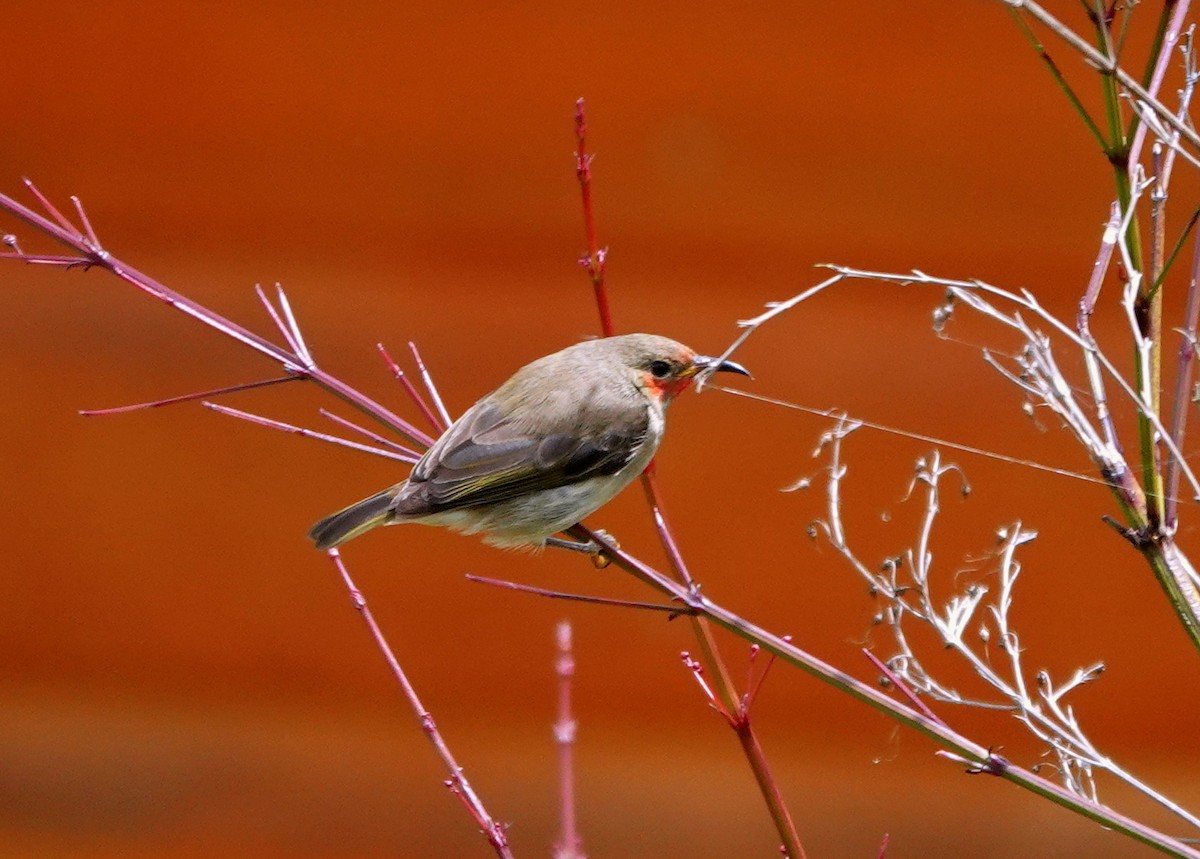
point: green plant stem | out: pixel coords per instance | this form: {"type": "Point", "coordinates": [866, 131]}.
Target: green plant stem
{"type": "Point", "coordinates": [1051, 66]}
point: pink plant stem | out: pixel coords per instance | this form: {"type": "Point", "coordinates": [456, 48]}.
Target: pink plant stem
{"type": "Point", "coordinates": [83, 219]}
{"type": "Point", "coordinates": [595, 259]}
{"type": "Point", "coordinates": [665, 535]}
{"type": "Point", "coordinates": [427, 379]}
{"type": "Point", "coordinates": [184, 398]}
{"type": "Point", "coordinates": [563, 595]}
{"type": "Point", "coordinates": [49, 259]}
{"type": "Point", "coordinates": [902, 687]}
{"type": "Point", "coordinates": [307, 433]}
{"type": "Point", "coordinates": [375, 437]}
{"type": "Point", "coordinates": [957, 746]}
{"type": "Point", "coordinates": [49, 207]}
{"type": "Point", "coordinates": [960, 748]}
{"type": "Point", "coordinates": [883, 847]}
{"type": "Point", "coordinates": [410, 389]}
{"type": "Point", "coordinates": [1166, 56]}
{"type": "Point", "coordinates": [293, 344]}
{"type": "Point", "coordinates": [710, 655]}
{"type": "Point", "coordinates": [457, 782]}
{"type": "Point", "coordinates": [65, 234]}
{"type": "Point", "coordinates": [1183, 386]}
{"type": "Point", "coordinates": [570, 844]}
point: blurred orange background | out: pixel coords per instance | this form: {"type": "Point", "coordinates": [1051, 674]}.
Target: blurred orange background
{"type": "Point", "coordinates": [183, 675]}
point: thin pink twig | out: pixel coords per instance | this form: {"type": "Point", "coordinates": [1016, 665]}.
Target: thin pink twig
{"type": "Point", "coordinates": [63, 232]}
{"type": "Point", "coordinates": [87, 224]}
{"type": "Point", "coordinates": [373, 436]}
{"type": "Point", "coordinates": [665, 534]}
{"type": "Point", "coordinates": [307, 433]}
{"type": "Point", "coordinates": [564, 595]}
{"type": "Point", "coordinates": [595, 258]}
{"type": "Point", "coordinates": [1183, 386]}
{"type": "Point", "coordinates": [277, 319]}
{"type": "Point", "coordinates": [297, 337]}
{"type": "Point", "coordinates": [431, 388]}
{"type": "Point", "coordinates": [570, 843]}
{"type": "Point", "coordinates": [184, 398]}
{"type": "Point", "coordinates": [411, 390]}
{"type": "Point", "coordinates": [48, 206]}
{"type": "Point", "coordinates": [1166, 55]}
{"type": "Point", "coordinates": [754, 688]}
{"type": "Point", "coordinates": [457, 782]}
{"type": "Point", "coordinates": [726, 697]}
{"type": "Point", "coordinates": [903, 687]}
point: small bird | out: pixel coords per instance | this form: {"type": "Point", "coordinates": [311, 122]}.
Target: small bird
{"type": "Point", "coordinates": [547, 448]}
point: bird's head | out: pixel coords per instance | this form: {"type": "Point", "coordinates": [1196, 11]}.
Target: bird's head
{"type": "Point", "coordinates": [660, 366]}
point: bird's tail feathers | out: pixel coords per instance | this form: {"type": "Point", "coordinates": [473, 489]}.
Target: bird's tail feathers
{"type": "Point", "coordinates": [354, 520]}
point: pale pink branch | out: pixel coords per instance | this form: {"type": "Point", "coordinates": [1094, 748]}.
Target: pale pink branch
{"type": "Point", "coordinates": [50, 259]}
{"type": "Point", "coordinates": [672, 610]}
{"type": "Point", "coordinates": [411, 390]}
{"type": "Point", "coordinates": [665, 535]}
{"type": "Point", "coordinates": [49, 207]}
{"type": "Point", "coordinates": [301, 348]}
{"type": "Point", "coordinates": [457, 782]}
{"type": "Point", "coordinates": [87, 224]}
{"type": "Point", "coordinates": [754, 685]}
{"type": "Point", "coordinates": [294, 362]}
{"type": "Point", "coordinates": [431, 388]}
{"type": "Point", "coordinates": [184, 398]}
{"type": "Point", "coordinates": [1183, 386]}
{"type": "Point", "coordinates": [904, 689]}
{"type": "Point", "coordinates": [277, 319]}
{"type": "Point", "coordinates": [570, 843]}
{"type": "Point", "coordinates": [1166, 54]}
{"type": "Point", "coordinates": [373, 436]}
{"type": "Point", "coordinates": [307, 433]}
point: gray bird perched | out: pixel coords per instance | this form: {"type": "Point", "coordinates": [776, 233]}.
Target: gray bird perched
{"type": "Point", "coordinates": [549, 447]}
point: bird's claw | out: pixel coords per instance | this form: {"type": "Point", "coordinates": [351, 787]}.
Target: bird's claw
{"type": "Point", "coordinates": [595, 549]}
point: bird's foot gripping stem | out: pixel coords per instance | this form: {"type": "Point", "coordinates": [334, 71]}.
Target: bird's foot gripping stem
{"type": "Point", "coordinates": [594, 549]}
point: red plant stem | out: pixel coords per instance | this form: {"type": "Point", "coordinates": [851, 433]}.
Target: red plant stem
{"type": "Point", "coordinates": [410, 389]}
{"type": "Point", "coordinates": [594, 261]}
{"type": "Point", "coordinates": [563, 595]}
{"type": "Point", "coordinates": [961, 746]}
{"type": "Point", "coordinates": [457, 782]}
{"type": "Point", "coordinates": [1183, 387]}
{"type": "Point", "coordinates": [94, 256]}
{"type": "Point", "coordinates": [665, 535]}
{"type": "Point", "coordinates": [901, 686]}
{"type": "Point", "coordinates": [184, 398]}
{"type": "Point", "coordinates": [1166, 56]}
{"type": "Point", "coordinates": [307, 433]}
{"type": "Point", "coordinates": [288, 336]}
{"type": "Point", "coordinates": [427, 379]}
{"type": "Point", "coordinates": [570, 844]}
{"type": "Point", "coordinates": [710, 655]}
{"type": "Point", "coordinates": [373, 436]}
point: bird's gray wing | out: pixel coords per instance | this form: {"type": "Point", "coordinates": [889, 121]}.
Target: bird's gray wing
{"type": "Point", "coordinates": [489, 456]}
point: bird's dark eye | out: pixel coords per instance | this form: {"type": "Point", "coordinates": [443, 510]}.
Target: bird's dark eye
{"type": "Point", "coordinates": [660, 369]}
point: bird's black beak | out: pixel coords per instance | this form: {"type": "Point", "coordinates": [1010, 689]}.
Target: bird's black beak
{"type": "Point", "coordinates": [712, 365]}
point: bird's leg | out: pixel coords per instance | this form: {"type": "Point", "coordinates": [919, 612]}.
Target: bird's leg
{"type": "Point", "coordinates": [592, 548]}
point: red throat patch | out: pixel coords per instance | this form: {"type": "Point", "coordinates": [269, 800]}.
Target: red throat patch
{"type": "Point", "coordinates": [665, 389]}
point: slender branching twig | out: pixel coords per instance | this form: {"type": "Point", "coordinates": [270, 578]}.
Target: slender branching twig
{"type": "Point", "coordinates": [730, 701]}
{"type": "Point", "coordinates": [570, 843]}
{"type": "Point", "coordinates": [457, 782]}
